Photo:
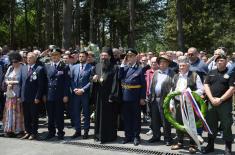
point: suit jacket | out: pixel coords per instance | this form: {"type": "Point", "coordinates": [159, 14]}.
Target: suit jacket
{"type": "Point", "coordinates": [32, 84]}
{"type": "Point", "coordinates": [133, 76]}
{"type": "Point", "coordinates": [80, 79]}
{"type": "Point", "coordinates": [57, 81]}
{"type": "Point", "coordinates": [165, 87]}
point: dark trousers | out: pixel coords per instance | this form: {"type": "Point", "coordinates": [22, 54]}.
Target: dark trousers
{"type": "Point", "coordinates": [78, 103]}
{"type": "Point", "coordinates": [2, 103]}
{"type": "Point", "coordinates": [31, 117]}
{"type": "Point", "coordinates": [55, 110]}
{"type": "Point", "coordinates": [157, 120]}
{"type": "Point", "coordinates": [132, 119]}
{"type": "Point", "coordinates": [222, 113]}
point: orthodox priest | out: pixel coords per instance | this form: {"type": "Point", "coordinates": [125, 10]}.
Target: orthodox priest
{"type": "Point", "coordinates": [105, 87]}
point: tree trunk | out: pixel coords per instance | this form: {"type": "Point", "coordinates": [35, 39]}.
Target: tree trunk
{"type": "Point", "coordinates": [48, 22]}
{"type": "Point", "coordinates": [180, 34]}
{"type": "Point", "coordinates": [77, 23]}
{"type": "Point", "coordinates": [131, 41]}
{"type": "Point", "coordinates": [67, 23]}
{"type": "Point", "coordinates": [103, 33]}
{"type": "Point", "coordinates": [12, 24]}
{"type": "Point", "coordinates": [26, 23]}
{"type": "Point", "coordinates": [91, 31]}
{"type": "Point", "coordinates": [39, 4]}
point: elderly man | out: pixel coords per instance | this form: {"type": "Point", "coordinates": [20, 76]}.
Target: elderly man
{"type": "Point", "coordinates": [116, 55]}
{"type": "Point", "coordinates": [160, 87]}
{"type": "Point", "coordinates": [32, 89]}
{"type": "Point", "coordinates": [148, 77]}
{"type": "Point", "coordinates": [181, 81]}
{"type": "Point", "coordinates": [196, 64]}
{"type": "Point", "coordinates": [133, 90]}
{"type": "Point", "coordinates": [219, 87]}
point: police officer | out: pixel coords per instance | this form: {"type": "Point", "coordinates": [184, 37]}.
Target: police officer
{"type": "Point", "coordinates": [57, 93]}
{"type": "Point", "coordinates": [219, 88]}
{"type": "Point", "coordinates": [133, 90]}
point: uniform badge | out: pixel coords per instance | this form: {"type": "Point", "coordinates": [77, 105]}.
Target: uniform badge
{"type": "Point", "coordinates": [101, 79]}
{"type": "Point", "coordinates": [226, 76]}
{"type": "Point", "coordinates": [60, 73]}
{"type": "Point", "coordinates": [34, 76]}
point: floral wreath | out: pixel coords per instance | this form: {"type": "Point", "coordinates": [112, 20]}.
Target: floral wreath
{"type": "Point", "coordinates": [169, 117]}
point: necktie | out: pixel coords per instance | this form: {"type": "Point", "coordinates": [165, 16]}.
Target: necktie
{"type": "Point", "coordinates": [30, 70]}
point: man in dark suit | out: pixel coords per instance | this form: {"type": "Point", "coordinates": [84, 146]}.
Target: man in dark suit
{"type": "Point", "coordinates": [57, 93]}
{"type": "Point", "coordinates": [80, 85]}
{"type": "Point", "coordinates": [160, 86]}
{"type": "Point", "coordinates": [32, 78]}
{"type": "Point", "coordinates": [133, 96]}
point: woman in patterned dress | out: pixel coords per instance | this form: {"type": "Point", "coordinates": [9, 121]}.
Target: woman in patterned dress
{"type": "Point", "coordinates": [13, 123]}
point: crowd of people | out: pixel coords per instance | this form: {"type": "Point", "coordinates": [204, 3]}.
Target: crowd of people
{"type": "Point", "coordinates": [121, 87]}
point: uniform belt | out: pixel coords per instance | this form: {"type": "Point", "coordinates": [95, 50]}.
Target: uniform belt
{"type": "Point", "coordinates": [125, 86]}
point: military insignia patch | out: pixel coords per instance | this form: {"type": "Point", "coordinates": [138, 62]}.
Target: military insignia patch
{"type": "Point", "coordinates": [226, 76]}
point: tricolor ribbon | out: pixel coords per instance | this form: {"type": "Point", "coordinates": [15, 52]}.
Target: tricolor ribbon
{"type": "Point", "coordinates": [196, 109]}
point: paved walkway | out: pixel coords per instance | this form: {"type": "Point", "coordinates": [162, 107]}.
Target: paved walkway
{"type": "Point", "coordinates": [12, 146]}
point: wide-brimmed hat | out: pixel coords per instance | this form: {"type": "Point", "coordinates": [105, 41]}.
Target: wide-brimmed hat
{"type": "Point", "coordinates": [164, 57]}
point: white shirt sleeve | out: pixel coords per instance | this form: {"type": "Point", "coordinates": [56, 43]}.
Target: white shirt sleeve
{"type": "Point", "coordinates": [199, 85]}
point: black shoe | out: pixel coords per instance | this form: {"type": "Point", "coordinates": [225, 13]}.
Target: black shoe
{"type": "Point", "coordinates": [76, 135]}
{"type": "Point", "coordinates": [85, 136]}
{"type": "Point", "coordinates": [60, 137]}
{"type": "Point", "coordinates": [207, 150]}
{"type": "Point", "coordinates": [168, 143]}
{"type": "Point", "coordinates": [153, 140]}
{"type": "Point", "coordinates": [228, 148]}
{"type": "Point", "coordinates": [49, 136]}
{"type": "Point", "coordinates": [96, 139]}
{"type": "Point", "coordinates": [33, 137]}
{"type": "Point", "coordinates": [210, 147]}
{"type": "Point", "coordinates": [136, 141]}
{"type": "Point", "coordinates": [126, 140]}
{"type": "Point", "coordinates": [26, 136]}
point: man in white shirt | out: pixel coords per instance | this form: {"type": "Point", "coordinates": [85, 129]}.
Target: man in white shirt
{"type": "Point", "coordinates": [181, 81]}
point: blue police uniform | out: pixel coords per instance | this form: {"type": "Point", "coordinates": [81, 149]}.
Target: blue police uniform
{"type": "Point", "coordinates": [80, 79]}
{"type": "Point", "coordinates": [57, 88]}
{"type": "Point", "coordinates": [133, 89]}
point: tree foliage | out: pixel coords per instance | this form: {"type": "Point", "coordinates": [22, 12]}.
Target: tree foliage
{"type": "Point", "coordinates": [206, 24]}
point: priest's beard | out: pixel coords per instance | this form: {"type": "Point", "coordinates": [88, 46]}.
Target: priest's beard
{"type": "Point", "coordinates": [105, 64]}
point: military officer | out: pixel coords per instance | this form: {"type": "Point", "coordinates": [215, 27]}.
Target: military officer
{"type": "Point", "coordinates": [219, 88]}
{"type": "Point", "coordinates": [57, 93]}
{"type": "Point", "coordinates": [133, 90]}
